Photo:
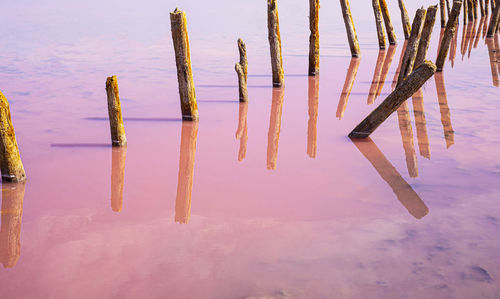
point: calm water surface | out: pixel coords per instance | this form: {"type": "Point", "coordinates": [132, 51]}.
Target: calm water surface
{"type": "Point", "coordinates": [265, 199]}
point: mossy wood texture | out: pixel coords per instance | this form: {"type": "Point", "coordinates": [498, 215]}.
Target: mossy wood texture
{"type": "Point", "coordinates": [275, 43]}
{"type": "Point", "coordinates": [378, 23]}
{"type": "Point", "coordinates": [402, 92]}
{"type": "Point", "coordinates": [10, 160]}
{"type": "Point", "coordinates": [425, 37]}
{"type": "Point", "coordinates": [405, 20]}
{"type": "Point", "coordinates": [180, 38]}
{"type": "Point", "coordinates": [118, 137]}
{"type": "Point", "coordinates": [449, 32]}
{"type": "Point", "coordinates": [391, 35]}
{"type": "Point", "coordinates": [352, 37]}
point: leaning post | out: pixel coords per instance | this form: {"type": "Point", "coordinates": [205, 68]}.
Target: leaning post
{"type": "Point", "coordinates": [349, 27]}
{"type": "Point", "coordinates": [273, 28]}
{"type": "Point", "coordinates": [451, 26]}
{"type": "Point", "coordinates": [118, 137]}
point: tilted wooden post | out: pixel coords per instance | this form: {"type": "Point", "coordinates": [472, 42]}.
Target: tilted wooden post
{"type": "Point", "coordinates": [242, 71]}
{"type": "Point", "coordinates": [412, 46]}
{"type": "Point", "coordinates": [349, 27]}
{"type": "Point", "coordinates": [273, 28]}
{"type": "Point", "coordinates": [378, 22]}
{"type": "Point", "coordinates": [481, 6]}
{"type": "Point", "coordinates": [118, 137]}
{"type": "Point", "coordinates": [180, 38]}
{"type": "Point", "coordinates": [443, 13]}
{"type": "Point", "coordinates": [402, 92]}
{"type": "Point", "coordinates": [405, 19]}
{"type": "Point", "coordinates": [387, 21]}
{"type": "Point", "coordinates": [314, 37]}
{"type": "Point", "coordinates": [451, 26]}
{"type": "Point", "coordinates": [10, 160]}
{"type": "Point", "coordinates": [448, 8]}
{"type": "Point", "coordinates": [425, 37]}
{"type": "Point", "coordinates": [465, 4]}
{"type": "Point", "coordinates": [494, 20]}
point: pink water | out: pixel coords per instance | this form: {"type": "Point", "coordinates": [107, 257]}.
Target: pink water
{"type": "Point", "coordinates": [269, 199]}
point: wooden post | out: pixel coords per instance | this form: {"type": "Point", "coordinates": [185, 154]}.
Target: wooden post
{"type": "Point", "coordinates": [443, 13]}
{"type": "Point", "coordinates": [481, 6]}
{"type": "Point", "coordinates": [349, 27]}
{"type": "Point", "coordinates": [494, 19]}
{"type": "Point", "coordinates": [378, 22]}
{"type": "Point", "coordinates": [10, 160]}
{"type": "Point", "coordinates": [118, 156]}
{"type": "Point", "coordinates": [470, 10]}
{"type": "Point", "coordinates": [421, 124]}
{"type": "Point", "coordinates": [405, 20]}
{"type": "Point", "coordinates": [242, 71]}
{"type": "Point", "coordinates": [402, 92]}
{"type": "Point", "coordinates": [349, 82]}
{"type": "Point", "coordinates": [486, 7]}
{"type": "Point", "coordinates": [10, 231]}
{"type": "Point", "coordinates": [388, 24]}
{"type": "Point", "coordinates": [403, 191]}
{"type": "Point", "coordinates": [312, 132]}
{"type": "Point", "coordinates": [385, 69]}
{"type": "Point", "coordinates": [376, 77]}
{"type": "Point", "coordinates": [180, 38]}
{"type": "Point", "coordinates": [493, 61]}
{"type": "Point", "coordinates": [449, 134]}
{"type": "Point", "coordinates": [273, 135]}
{"type": "Point", "coordinates": [275, 43]}
{"type": "Point", "coordinates": [314, 37]}
{"type": "Point", "coordinates": [425, 38]}
{"type": "Point", "coordinates": [242, 131]}
{"type": "Point", "coordinates": [406, 131]}
{"type": "Point", "coordinates": [465, 10]}
{"type": "Point", "coordinates": [448, 8]}
{"type": "Point", "coordinates": [189, 135]}
{"type": "Point", "coordinates": [118, 137]}
{"type": "Point", "coordinates": [451, 26]}
{"type": "Point", "coordinates": [412, 47]}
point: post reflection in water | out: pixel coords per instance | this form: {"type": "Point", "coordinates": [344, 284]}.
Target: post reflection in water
{"type": "Point", "coordinates": [312, 132]}
{"type": "Point", "coordinates": [493, 51]}
{"type": "Point", "coordinates": [385, 69]}
{"type": "Point", "coordinates": [10, 231]}
{"type": "Point", "coordinates": [453, 47]}
{"type": "Point", "coordinates": [242, 131]}
{"type": "Point", "coordinates": [479, 30]}
{"type": "Point", "coordinates": [396, 75]}
{"type": "Point", "coordinates": [349, 82]}
{"type": "Point", "coordinates": [273, 135]}
{"type": "Point", "coordinates": [376, 77]}
{"type": "Point", "coordinates": [449, 134]}
{"type": "Point", "coordinates": [189, 134]}
{"type": "Point", "coordinates": [407, 138]}
{"type": "Point", "coordinates": [421, 124]}
{"type": "Point", "coordinates": [497, 48]}
{"type": "Point", "coordinates": [441, 34]}
{"type": "Point", "coordinates": [404, 192]}
{"type": "Point", "coordinates": [465, 39]}
{"type": "Point", "coordinates": [472, 37]}
{"type": "Point", "coordinates": [117, 177]}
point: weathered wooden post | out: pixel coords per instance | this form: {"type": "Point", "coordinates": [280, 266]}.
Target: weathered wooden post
{"type": "Point", "coordinates": [449, 134]}
{"type": "Point", "coordinates": [242, 71]}
{"type": "Point", "coordinates": [448, 8]}
{"type": "Point", "coordinates": [412, 47]}
{"type": "Point", "coordinates": [443, 13]}
{"type": "Point", "coordinates": [118, 156]}
{"type": "Point", "coordinates": [425, 37]}
{"type": "Point", "coordinates": [349, 82]}
{"type": "Point", "coordinates": [481, 6]}
{"type": "Point", "coordinates": [372, 94]}
{"type": "Point", "coordinates": [10, 230]}
{"type": "Point", "coordinates": [118, 137]}
{"type": "Point", "coordinates": [349, 26]}
{"type": "Point", "coordinates": [378, 22]}
{"type": "Point", "coordinates": [10, 160]}
{"type": "Point", "coordinates": [242, 131]}
{"type": "Point", "coordinates": [273, 28]}
{"type": "Point", "coordinates": [387, 21]}
{"type": "Point", "coordinates": [180, 38]}
{"type": "Point", "coordinates": [405, 20]}
{"type": "Point", "coordinates": [189, 135]}
{"type": "Point", "coordinates": [465, 10]}
{"type": "Point", "coordinates": [486, 7]}
{"type": "Point", "coordinates": [494, 19]}
{"type": "Point", "coordinates": [273, 135]}
{"type": "Point", "coordinates": [402, 92]}
{"type": "Point", "coordinates": [312, 132]}
{"type": "Point", "coordinates": [470, 10]}
{"type": "Point", "coordinates": [314, 37]}
{"type": "Point", "coordinates": [451, 26]}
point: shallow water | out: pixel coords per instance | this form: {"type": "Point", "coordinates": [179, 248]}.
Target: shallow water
{"type": "Point", "coordinates": [265, 199]}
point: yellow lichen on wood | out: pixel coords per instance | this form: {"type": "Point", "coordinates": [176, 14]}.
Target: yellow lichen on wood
{"type": "Point", "coordinates": [449, 32]}
{"type": "Point", "coordinates": [180, 39]}
{"type": "Point", "coordinates": [349, 26]}
{"type": "Point", "coordinates": [387, 21]}
{"type": "Point", "coordinates": [378, 22]}
{"type": "Point", "coordinates": [241, 70]}
{"type": "Point", "coordinates": [118, 137]}
{"type": "Point", "coordinates": [275, 43]}
{"type": "Point", "coordinates": [10, 160]}
{"type": "Point", "coordinates": [405, 20]}
{"type": "Point", "coordinates": [314, 37]}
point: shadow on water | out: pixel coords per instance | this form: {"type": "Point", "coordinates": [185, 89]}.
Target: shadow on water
{"type": "Point", "coordinates": [273, 134]}
{"type": "Point", "coordinates": [118, 156]}
{"type": "Point", "coordinates": [189, 135]}
{"type": "Point", "coordinates": [10, 231]}
{"type": "Point", "coordinates": [242, 131]}
{"type": "Point", "coordinates": [404, 192]}
{"type": "Point", "coordinates": [313, 101]}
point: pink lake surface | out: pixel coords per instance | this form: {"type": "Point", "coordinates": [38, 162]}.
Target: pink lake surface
{"type": "Point", "coordinates": [265, 200]}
